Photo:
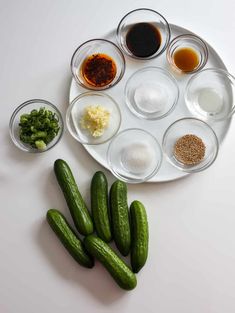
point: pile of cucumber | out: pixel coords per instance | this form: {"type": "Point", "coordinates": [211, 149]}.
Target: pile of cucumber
{"type": "Point", "coordinates": [110, 219]}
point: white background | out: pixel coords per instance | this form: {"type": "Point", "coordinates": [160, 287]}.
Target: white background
{"type": "Point", "coordinates": [191, 264]}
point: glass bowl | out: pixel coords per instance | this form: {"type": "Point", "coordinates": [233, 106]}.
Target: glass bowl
{"type": "Point", "coordinates": [26, 108]}
{"type": "Point", "coordinates": [209, 94]}
{"type": "Point", "coordinates": [104, 48]}
{"type": "Point", "coordinates": [134, 155]}
{"type": "Point", "coordinates": [143, 16]}
{"type": "Point", "coordinates": [193, 43]}
{"type": "Point", "coordinates": [76, 111]}
{"type": "Point", "coordinates": [190, 126]}
{"type": "Point", "coordinates": [151, 93]}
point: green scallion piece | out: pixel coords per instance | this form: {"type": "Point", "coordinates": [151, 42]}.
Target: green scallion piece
{"type": "Point", "coordinates": [39, 128]}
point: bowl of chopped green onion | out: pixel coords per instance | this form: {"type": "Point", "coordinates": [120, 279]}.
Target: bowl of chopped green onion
{"type": "Point", "coordinates": [36, 126]}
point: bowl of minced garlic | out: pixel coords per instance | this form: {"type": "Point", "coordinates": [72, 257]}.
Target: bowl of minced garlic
{"type": "Point", "coordinates": [190, 145]}
{"type": "Point", "coordinates": [93, 118]}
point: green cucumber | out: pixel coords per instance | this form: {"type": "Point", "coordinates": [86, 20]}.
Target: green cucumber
{"type": "Point", "coordinates": [139, 235]}
{"type": "Point", "coordinates": [99, 206]}
{"type": "Point", "coordinates": [75, 202]}
{"type": "Point", "coordinates": [68, 238]}
{"type": "Point", "coordinates": [120, 272]}
{"type": "Point", "coordinates": [120, 217]}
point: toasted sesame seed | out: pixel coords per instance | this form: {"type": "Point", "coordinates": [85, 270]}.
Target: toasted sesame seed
{"type": "Point", "coordinates": [189, 149]}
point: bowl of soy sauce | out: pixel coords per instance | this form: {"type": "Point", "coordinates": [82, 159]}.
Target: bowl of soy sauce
{"type": "Point", "coordinates": [143, 34]}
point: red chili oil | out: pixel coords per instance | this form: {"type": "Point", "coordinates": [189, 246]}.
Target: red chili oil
{"type": "Point", "coordinates": [99, 70]}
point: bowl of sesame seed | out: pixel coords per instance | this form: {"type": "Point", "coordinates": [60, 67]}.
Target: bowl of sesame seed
{"type": "Point", "coordinates": [190, 145]}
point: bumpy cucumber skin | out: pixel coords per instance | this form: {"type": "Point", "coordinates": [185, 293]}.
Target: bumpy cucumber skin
{"type": "Point", "coordinates": [120, 272]}
{"type": "Point", "coordinates": [139, 236]}
{"type": "Point", "coordinates": [99, 206]}
{"type": "Point", "coordinates": [120, 217]}
{"type": "Point", "coordinates": [75, 202]}
{"type": "Point", "coordinates": [68, 238]}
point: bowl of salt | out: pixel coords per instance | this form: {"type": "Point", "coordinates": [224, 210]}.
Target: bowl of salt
{"type": "Point", "coordinates": [134, 155]}
{"type": "Point", "coordinates": [151, 93]}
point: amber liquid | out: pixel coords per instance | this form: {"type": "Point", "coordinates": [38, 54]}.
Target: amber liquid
{"type": "Point", "coordinates": [99, 70]}
{"type": "Point", "coordinates": [186, 59]}
{"type": "Point", "coordinates": [143, 40]}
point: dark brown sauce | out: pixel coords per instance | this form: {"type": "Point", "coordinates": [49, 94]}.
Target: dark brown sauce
{"type": "Point", "coordinates": [143, 39]}
{"type": "Point", "coordinates": [99, 70]}
{"type": "Point", "coordinates": [186, 59]}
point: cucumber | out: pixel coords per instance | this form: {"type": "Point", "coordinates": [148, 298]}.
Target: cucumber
{"type": "Point", "coordinates": [99, 206]}
{"type": "Point", "coordinates": [120, 217]}
{"type": "Point", "coordinates": [121, 273]}
{"type": "Point", "coordinates": [75, 202]}
{"type": "Point", "coordinates": [68, 238]}
{"type": "Point", "coordinates": [139, 235]}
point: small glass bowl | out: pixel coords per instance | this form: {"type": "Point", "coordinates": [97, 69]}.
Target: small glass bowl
{"type": "Point", "coordinates": [25, 108]}
{"type": "Point", "coordinates": [97, 46]}
{"type": "Point", "coordinates": [151, 93]}
{"type": "Point", "coordinates": [188, 41]}
{"type": "Point", "coordinates": [192, 126]}
{"type": "Point", "coordinates": [75, 112]}
{"type": "Point", "coordinates": [143, 15]}
{"type": "Point", "coordinates": [134, 155]}
{"type": "Point", "coordinates": [210, 94]}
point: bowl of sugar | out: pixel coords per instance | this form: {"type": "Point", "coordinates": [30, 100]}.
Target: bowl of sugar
{"type": "Point", "coordinates": [151, 93]}
{"type": "Point", "coordinates": [134, 155]}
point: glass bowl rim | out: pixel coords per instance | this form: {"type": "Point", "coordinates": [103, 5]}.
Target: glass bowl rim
{"type": "Point", "coordinates": [163, 71]}
{"type": "Point", "coordinates": [211, 70]}
{"type": "Point", "coordinates": [135, 181]}
{"type": "Point", "coordinates": [188, 36]}
{"type": "Point", "coordinates": [84, 95]}
{"type": "Point", "coordinates": [155, 54]}
{"type": "Point", "coordinates": [115, 46]}
{"type": "Point", "coordinates": [25, 104]}
{"type": "Point", "coordinates": [191, 170]}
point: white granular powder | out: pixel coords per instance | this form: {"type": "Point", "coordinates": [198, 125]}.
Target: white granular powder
{"type": "Point", "coordinates": [150, 97]}
{"type": "Point", "coordinates": [137, 158]}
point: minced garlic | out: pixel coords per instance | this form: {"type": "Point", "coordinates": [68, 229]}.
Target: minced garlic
{"type": "Point", "coordinates": [95, 119]}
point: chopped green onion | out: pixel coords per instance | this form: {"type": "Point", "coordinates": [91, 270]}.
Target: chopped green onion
{"type": "Point", "coordinates": [39, 128]}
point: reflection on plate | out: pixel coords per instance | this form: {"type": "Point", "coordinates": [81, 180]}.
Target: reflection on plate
{"type": "Point", "coordinates": [167, 172]}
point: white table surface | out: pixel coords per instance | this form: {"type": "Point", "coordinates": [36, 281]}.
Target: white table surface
{"type": "Point", "coordinates": [191, 264]}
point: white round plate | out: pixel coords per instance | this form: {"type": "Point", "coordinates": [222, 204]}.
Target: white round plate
{"type": "Point", "coordinates": [167, 172]}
